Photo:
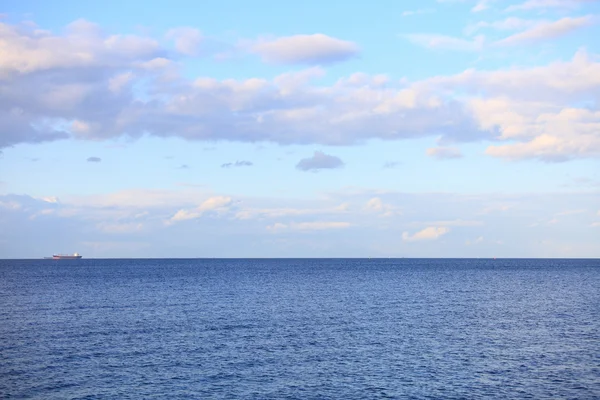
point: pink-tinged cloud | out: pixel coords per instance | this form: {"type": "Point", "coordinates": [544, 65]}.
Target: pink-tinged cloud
{"type": "Point", "coordinates": [540, 4]}
{"type": "Point", "coordinates": [547, 30]}
{"type": "Point", "coordinates": [444, 153]}
{"type": "Point", "coordinates": [429, 233]}
{"type": "Point", "coordinates": [305, 49]}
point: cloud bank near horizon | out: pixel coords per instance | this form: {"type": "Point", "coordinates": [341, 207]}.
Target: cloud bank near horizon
{"type": "Point", "coordinates": [391, 224]}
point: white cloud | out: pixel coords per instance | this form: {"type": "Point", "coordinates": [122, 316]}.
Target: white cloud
{"type": "Point", "coordinates": [555, 137]}
{"type": "Point", "coordinates": [84, 45]}
{"type": "Point", "coordinates": [444, 153]}
{"type": "Point", "coordinates": [429, 233]}
{"type": "Point", "coordinates": [511, 23]}
{"type": "Point", "coordinates": [187, 40]}
{"type": "Point", "coordinates": [377, 205]}
{"type": "Point", "coordinates": [457, 222]}
{"type": "Point", "coordinates": [120, 228]}
{"type": "Point", "coordinates": [183, 215]}
{"type": "Point", "coordinates": [11, 205]}
{"type": "Point", "coordinates": [536, 4]}
{"type": "Point", "coordinates": [570, 212]}
{"type": "Point", "coordinates": [547, 30]}
{"type": "Point", "coordinates": [443, 42]}
{"type": "Point", "coordinates": [116, 83]}
{"type": "Point", "coordinates": [534, 112]}
{"type": "Point", "coordinates": [308, 226]}
{"type": "Point", "coordinates": [218, 204]}
{"type": "Point", "coordinates": [305, 49]}
{"type": "Point", "coordinates": [469, 242]}
{"type": "Point", "coordinates": [481, 5]}
{"type": "Point", "coordinates": [215, 203]}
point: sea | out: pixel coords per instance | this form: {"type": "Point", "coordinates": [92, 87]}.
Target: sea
{"type": "Point", "coordinates": [300, 329]}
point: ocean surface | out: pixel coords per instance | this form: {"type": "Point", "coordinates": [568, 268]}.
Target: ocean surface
{"type": "Point", "coordinates": [299, 329]}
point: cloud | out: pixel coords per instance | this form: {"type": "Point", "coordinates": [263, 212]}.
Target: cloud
{"type": "Point", "coordinates": [84, 44]}
{"type": "Point", "coordinates": [305, 49]}
{"type": "Point", "coordinates": [444, 153]}
{"type": "Point", "coordinates": [94, 159]}
{"type": "Point", "coordinates": [570, 133]}
{"type": "Point", "coordinates": [116, 83]}
{"type": "Point", "coordinates": [119, 228]}
{"type": "Point", "coordinates": [187, 40]}
{"type": "Point", "coordinates": [430, 233]}
{"type": "Point", "coordinates": [536, 112]}
{"type": "Point", "coordinates": [218, 204]}
{"type": "Point", "coordinates": [236, 164]}
{"type": "Point", "coordinates": [535, 4]}
{"type": "Point", "coordinates": [377, 205]}
{"type": "Point", "coordinates": [547, 30]}
{"type": "Point", "coordinates": [183, 166]}
{"type": "Point", "coordinates": [95, 100]}
{"type": "Point", "coordinates": [481, 5]}
{"type": "Point", "coordinates": [469, 242]}
{"type": "Point", "coordinates": [319, 161]}
{"type": "Point", "coordinates": [510, 24]}
{"type": "Point", "coordinates": [308, 226]}
{"type": "Point", "coordinates": [443, 42]}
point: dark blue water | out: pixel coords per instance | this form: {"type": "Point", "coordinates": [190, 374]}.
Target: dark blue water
{"type": "Point", "coordinates": [304, 329]}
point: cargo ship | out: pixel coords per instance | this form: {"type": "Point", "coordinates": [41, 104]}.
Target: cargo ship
{"type": "Point", "coordinates": [74, 256]}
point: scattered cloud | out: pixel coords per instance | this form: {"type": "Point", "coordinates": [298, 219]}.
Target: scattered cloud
{"type": "Point", "coordinates": [94, 159]}
{"type": "Point", "coordinates": [570, 212]}
{"type": "Point", "coordinates": [217, 204]}
{"type": "Point", "coordinates": [377, 205]}
{"type": "Point", "coordinates": [119, 228]}
{"type": "Point", "coordinates": [508, 24]}
{"type": "Point", "coordinates": [547, 30]}
{"type": "Point", "coordinates": [319, 161]}
{"type": "Point", "coordinates": [187, 40]}
{"type": "Point", "coordinates": [443, 42]}
{"type": "Point", "coordinates": [308, 226]}
{"type": "Point", "coordinates": [429, 233]}
{"type": "Point", "coordinates": [444, 153]}
{"type": "Point", "coordinates": [469, 242]}
{"type": "Point", "coordinates": [84, 44]}
{"type": "Point", "coordinates": [183, 166]}
{"type": "Point", "coordinates": [305, 49]}
{"type": "Point", "coordinates": [236, 164]}
{"type": "Point", "coordinates": [540, 4]}
{"type": "Point", "coordinates": [158, 217]}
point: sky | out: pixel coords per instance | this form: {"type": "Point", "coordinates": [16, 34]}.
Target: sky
{"type": "Point", "coordinates": [448, 128]}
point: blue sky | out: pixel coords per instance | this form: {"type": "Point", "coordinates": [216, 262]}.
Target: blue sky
{"type": "Point", "coordinates": [451, 128]}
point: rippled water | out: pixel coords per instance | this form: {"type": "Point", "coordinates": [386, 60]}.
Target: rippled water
{"type": "Point", "coordinates": [347, 329]}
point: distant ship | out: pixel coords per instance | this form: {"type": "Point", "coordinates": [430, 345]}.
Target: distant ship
{"type": "Point", "coordinates": [74, 256]}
